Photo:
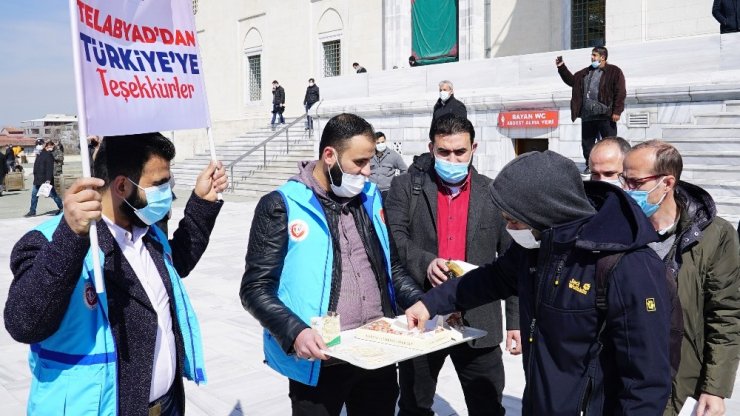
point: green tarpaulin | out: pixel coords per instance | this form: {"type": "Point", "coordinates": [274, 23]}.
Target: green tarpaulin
{"type": "Point", "coordinates": [434, 31]}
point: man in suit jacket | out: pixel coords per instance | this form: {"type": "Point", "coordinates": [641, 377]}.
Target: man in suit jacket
{"type": "Point", "coordinates": [123, 351]}
{"type": "Point", "coordinates": [438, 211]}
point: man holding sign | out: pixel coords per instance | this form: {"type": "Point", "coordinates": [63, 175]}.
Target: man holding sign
{"type": "Point", "coordinates": [126, 350]}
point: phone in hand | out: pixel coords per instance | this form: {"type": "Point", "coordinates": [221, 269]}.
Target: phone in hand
{"type": "Point", "coordinates": [559, 60]}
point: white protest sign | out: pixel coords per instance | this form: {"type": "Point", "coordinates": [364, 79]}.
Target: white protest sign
{"type": "Point", "coordinates": [140, 65]}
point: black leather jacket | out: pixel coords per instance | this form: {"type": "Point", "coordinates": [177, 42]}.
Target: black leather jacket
{"type": "Point", "coordinates": [268, 243]}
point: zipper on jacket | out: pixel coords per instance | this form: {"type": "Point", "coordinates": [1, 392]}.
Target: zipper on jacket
{"type": "Point", "coordinates": [586, 397]}
{"type": "Point", "coordinates": [540, 276]}
{"type": "Point", "coordinates": [532, 326]}
{"type": "Point", "coordinates": [556, 279]}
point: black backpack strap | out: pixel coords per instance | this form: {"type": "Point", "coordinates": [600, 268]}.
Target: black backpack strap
{"type": "Point", "coordinates": [417, 180]}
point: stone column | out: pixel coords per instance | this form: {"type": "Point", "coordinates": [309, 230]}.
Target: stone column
{"type": "Point", "coordinates": [396, 33]}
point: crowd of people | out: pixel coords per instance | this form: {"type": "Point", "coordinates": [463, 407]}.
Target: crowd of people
{"type": "Point", "coordinates": [621, 292]}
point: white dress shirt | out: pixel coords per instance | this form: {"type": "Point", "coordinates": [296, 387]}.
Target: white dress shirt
{"type": "Point", "coordinates": [134, 249]}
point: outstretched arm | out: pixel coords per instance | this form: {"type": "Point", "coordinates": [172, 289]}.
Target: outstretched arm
{"type": "Point", "coordinates": [190, 240]}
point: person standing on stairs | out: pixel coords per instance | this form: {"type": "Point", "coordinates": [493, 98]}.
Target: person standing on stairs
{"type": "Point", "coordinates": [311, 98]}
{"type": "Point", "coordinates": [278, 103]}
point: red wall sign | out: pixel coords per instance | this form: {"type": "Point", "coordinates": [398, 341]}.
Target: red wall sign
{"type": "Point", "coordinates": [528, 119]}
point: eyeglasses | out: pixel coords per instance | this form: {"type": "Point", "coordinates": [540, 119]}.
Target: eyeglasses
{"type": "Point", "coordinates": [634, 183]}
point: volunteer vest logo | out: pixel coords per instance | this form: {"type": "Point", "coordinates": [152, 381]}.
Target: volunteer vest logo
{"type": "Point", "coordinates": [90, 296]}
{"type": "Point", "coordinates": [650, 305]}
{"type": "Point", "coordinates": [298, 230]}
{"type": "Point", "coordinates": [576, 285]}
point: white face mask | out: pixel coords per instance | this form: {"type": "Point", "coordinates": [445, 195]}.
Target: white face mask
{"type": "Point", "coordinates": [351, 185]}
{"type": "Point", "coordinates": [381, 147]}
{"type": "Point", "coordinates": [524, 238]}
{"type": "Point", "coordinates": [444, 95]}
{"type": "Point", "coordinates": [614, 182]}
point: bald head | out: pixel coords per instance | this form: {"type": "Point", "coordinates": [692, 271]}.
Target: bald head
{"type": "Point", "coordinates": [606, 159]}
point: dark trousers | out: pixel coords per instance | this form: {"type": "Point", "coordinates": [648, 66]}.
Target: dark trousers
{"type": "Point", "coordinates": [594, 130]}
{"type": "Point", "coordinates": [309, 119]}
{"type": "Point", "coordinates": [35, 198]}
{"type": "Point", "coordinates": [364, 392]}
{"type": "Point", "coordinates": [166, 405]}
{"type": "Point", "coordinates": [481, 374]}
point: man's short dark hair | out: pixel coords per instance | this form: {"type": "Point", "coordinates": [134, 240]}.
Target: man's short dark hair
{"type": "Point", "coordinates": [340, 128]}
{"type": "Point", "coordinates": [379, 134]}
{"type": "Point", "coordinates": [355, 64]}
{"type": "Point", "coordinates": [311, 80]}
{"type": "Point", "coordinates": [451, 124]}
{"type": "Point", "coordinates": [668, 160]}
{"type": "Point", "coordinates": [601, 50]}
{"type": "Point", "coordinates": [275, 81]}
{"type": "Point", "coordinates": [623, 145]}
{"type": "Point", "coordinates": [127, 155]}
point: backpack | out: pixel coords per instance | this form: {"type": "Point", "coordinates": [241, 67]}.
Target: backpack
{"type": "Point", "coordinates": [604, 269]}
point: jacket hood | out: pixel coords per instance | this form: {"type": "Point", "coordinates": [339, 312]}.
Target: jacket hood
{"type": "Point", "coordinates": [696, 203]}
{"type": "Point", "coordinates": [618, 225]}
{"type": "Point", "coordinates": [422, 163]}
{"type": "Point", "coordinates": [305, 176]}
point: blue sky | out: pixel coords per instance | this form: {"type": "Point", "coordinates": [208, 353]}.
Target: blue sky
{"type": "Point", "coordinates": [36, 72]}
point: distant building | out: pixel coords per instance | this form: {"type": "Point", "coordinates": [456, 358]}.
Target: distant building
{"type": "Point", "coordinates": [61, 127]}
{"type": "Point", "coordinates": [14, 136]}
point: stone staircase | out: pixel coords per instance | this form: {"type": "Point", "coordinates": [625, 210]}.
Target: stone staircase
{"type": "Point", "coordinates": [711, 155]}
{"type": "Point", "coordinates": [251, 177]}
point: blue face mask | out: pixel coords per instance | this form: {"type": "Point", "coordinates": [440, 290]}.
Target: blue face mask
{"type": "Point", "coordinates": [595, 64]}
{"type": "Point", "coordinates": [641, 197]}
{"type": "Point", "coordinates": [158, 203]}
{"type": "Point", "coordinates": [451, 172]}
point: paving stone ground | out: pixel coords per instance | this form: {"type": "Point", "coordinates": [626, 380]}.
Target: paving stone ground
{"type": "Point", "coordinates": [239, 384]}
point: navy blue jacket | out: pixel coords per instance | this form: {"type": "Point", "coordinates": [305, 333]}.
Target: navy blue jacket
{"type": "Point", "coordinates": [568, 371]}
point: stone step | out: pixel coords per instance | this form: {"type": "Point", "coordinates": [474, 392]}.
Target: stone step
{"type": "Point", "coordinates": [719, 188]}
{"type": "Point", "coordinates": [254, 188]}
{"type": "Point", "coordinates": [729, 131]}
{"type": "Point", "coordinates": [727, 205]}
{"type": "Point", "coordinates": [711, 119]}
{"type": "Point", "coordinates": [718, 157]}
{"type": "Point", "coordinates": [732, 106]}
{"type": "Point", "coordinates": [707, 144]}
{"type": "Point", "coordinates": [711, 172]}
{"type": "Point", "coordinates": [253, 159]}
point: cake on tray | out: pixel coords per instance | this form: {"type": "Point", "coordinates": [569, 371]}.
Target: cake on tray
{"type": "Point", "coordinates": [395, 332]}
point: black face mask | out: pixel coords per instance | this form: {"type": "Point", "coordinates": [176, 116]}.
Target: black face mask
{"type": "Point", "coordinates": [134, 201]}
{"type": "Point", "coordinates": [336, 174]}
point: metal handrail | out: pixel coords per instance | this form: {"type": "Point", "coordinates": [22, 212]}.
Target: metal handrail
{"type": "Point", "coordinates": [263, 144]}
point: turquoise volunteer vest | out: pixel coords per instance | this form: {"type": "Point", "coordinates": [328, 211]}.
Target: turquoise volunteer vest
{"type": "Point", "coordinates": [74, 370]}
{"type": "Point", "coordinates": [305, 282]}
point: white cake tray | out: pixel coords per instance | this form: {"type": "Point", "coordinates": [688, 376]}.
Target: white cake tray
{"type": "Point", "coordinates": [372, 355]}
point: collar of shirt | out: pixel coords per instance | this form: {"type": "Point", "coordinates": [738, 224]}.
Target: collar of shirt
{"type": "Point", "coordinates": [123, 236]}
{"type": "Point", "coordinates": [452, 191]}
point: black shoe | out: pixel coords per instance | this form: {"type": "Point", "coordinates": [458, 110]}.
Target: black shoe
{"type": "Point", "coordinates": [30, 214]}
{"type": "Point", "coordinates": [587, 171]}
{"type": "Point", "coordinates": [57, 212]}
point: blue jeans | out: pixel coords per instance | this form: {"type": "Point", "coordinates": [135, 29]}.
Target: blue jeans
{"type": "Point", "coordinates": [35, 199]}
{"type": "Point", "coordinates": [277, 110]}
